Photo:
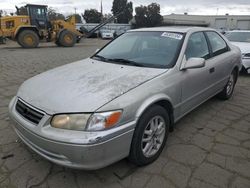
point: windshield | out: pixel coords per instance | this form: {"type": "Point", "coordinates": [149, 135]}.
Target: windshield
{"type": "Point", "coordinates": [149, 49]}
{"type": "Point", "coordinates": [238, 36]}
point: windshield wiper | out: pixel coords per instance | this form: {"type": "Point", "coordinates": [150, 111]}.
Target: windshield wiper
{"type": "Point", "coordinates": [126, 62]}
{"type": "Point", "coordinates": [101, 58]}
{"type": "Point", "coordinates": [119, 60]}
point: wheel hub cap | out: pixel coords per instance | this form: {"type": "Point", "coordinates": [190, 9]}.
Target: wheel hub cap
{"type": "Point", "coordinates": [153, 136]}
{"type": "Point", "coordinates": [29, 40]}
{"type": "Point", "coordinates": [68, 39]}
{"type": "Point", "coordinates": [230, 84]}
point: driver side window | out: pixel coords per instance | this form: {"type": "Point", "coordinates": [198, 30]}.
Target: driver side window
{"type": "Point", "coordinates": [197, 46]}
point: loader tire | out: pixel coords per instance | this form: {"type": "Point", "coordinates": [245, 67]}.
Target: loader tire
{"type": "Point", "coordinates": [28, 39]}
{"type": "Point", "coordinates": [67, 39]}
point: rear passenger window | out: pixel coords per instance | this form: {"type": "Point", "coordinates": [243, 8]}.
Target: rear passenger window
{"type": "Point", "coordinates": [197, 46]}
{"type": "Point", "coordinates": [218, 45]}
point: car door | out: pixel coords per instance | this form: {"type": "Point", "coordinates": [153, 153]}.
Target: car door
{"type": "Point", "coordinates": [196, 82]}
{"type": "Point", "coordinates": [221, 59]}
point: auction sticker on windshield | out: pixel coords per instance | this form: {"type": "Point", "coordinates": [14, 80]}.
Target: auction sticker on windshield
{"type": "Point", "coordinates": [172, 35]}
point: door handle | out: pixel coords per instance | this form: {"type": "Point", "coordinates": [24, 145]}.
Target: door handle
{"type": "Point", "coordinates": [212, 70]}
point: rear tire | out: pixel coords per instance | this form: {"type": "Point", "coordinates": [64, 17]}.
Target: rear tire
{"type": "Point", "coordinates": [28, 39]}
{"type": "Point", "coordinates": [228, 90]}
{"type": "Point", "coordinates": [66, 39]}
{"type": "Point", "coordinates": [150, 136]}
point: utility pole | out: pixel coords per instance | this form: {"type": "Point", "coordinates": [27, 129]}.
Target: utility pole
{"type": "Point", "coordinates": [101, 11]}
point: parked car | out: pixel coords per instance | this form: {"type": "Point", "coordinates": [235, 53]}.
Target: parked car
{"type": "Point", "coordinates": [241, 38]}
{"type": "Point", "coordinates": [107, 34]}
{"type": "Point", "coordinates": [119, 32]}
{"type": "Point", "coordinates": [124, 100]}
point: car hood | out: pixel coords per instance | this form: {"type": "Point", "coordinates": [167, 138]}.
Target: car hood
{"type": "Point", "coordinates": [83, 86]}
{"type": "Point", "coordinates": [244, 46]}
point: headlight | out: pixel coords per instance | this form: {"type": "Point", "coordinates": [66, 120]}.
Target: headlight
{"type": "Point", "coordinates": [70, 121]}
{"type": "Point", "coordinates": [88, 122]}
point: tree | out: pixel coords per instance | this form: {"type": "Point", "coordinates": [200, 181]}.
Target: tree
{"type": "Point", "coordinates": [92, 16]}
{"type": "Point", "coordinates": [141, 16]}
{"type": "Point", "coordinates": [106, 17]}
{"type": "Point", "coordinates": [125, 8]}
{"type": "Point", "coordinates": [148, 16]}
{"type": "Point", "coordinates": [78, 18]}
{"type": "Point", "coordinates": [21, 11]}
{"type": "Point", "coordinates": [3, 13]}
{"type": "Point", "coordinates": [53, 15]}
{"type": "Point", "coordinates": [153, 15]}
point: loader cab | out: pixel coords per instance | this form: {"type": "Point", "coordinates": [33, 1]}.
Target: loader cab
{"type": "Point", "coordinates": [38, 16]}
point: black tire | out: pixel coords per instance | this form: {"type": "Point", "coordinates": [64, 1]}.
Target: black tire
{"type": "Point", "coordinates": [228, 90]}
{"type": "Point", "coordinates": [137, 155]}
{"type": "Point", "coordinates": [67, 39]}
{"type": "Point", "coordinates": [28, 39]}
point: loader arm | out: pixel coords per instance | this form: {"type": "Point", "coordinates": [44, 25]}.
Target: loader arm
{"type": "Point", "coordinates": [103, 24]}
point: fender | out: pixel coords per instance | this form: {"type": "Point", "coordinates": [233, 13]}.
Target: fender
{"type": "Point", "coordinates": [19, 28]}
{"type": "Point", "coordinates": [152, 100]}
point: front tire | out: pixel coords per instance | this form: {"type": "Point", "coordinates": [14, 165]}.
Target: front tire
{"type": "Point", "coordinates": [66, 39]}
{"type": "Point", "coordinates": [28, 39]}
{"type": "Point", "coordinates": [228, 90]}
{"type": "Point", "coordinates": [150, 136]}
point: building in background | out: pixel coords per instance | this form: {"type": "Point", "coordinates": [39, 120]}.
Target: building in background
{"type": "Point", "coordinates": [219, 22]}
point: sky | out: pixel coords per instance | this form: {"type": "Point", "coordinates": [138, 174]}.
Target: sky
{"type": "Point", "coordinates": [197, 7]}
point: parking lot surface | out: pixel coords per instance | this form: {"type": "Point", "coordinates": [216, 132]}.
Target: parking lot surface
{"type": "Point", "coordinates": [210, 147]}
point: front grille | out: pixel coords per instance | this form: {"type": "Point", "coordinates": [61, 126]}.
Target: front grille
{"type": "Point", "coordinates": [28, 113]}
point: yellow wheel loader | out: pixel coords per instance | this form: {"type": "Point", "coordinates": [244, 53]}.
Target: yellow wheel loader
{"type": "Point", "coordinates": [29, 30]}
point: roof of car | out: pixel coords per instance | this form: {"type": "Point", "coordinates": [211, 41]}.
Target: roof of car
{"type": "Point", "coordinates": [179, 29]}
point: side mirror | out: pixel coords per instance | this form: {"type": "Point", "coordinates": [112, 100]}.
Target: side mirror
{"type": "Point", "coordinates": [193, 63]}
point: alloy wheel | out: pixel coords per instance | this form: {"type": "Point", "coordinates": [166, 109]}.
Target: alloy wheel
{"type": "Point", "coordinates": [153, 136]}
{"type": "Point", "coordinates": [230, 84]}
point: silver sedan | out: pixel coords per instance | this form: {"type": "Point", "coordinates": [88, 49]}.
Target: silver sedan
{"type": "Point", "coordinates": [125, 99]}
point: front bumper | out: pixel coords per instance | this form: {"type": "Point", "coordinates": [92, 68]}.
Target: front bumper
{"type": "Point", "coordinates": [74, 149]}
{"type": "Point", "coordinates": [246, 65]}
